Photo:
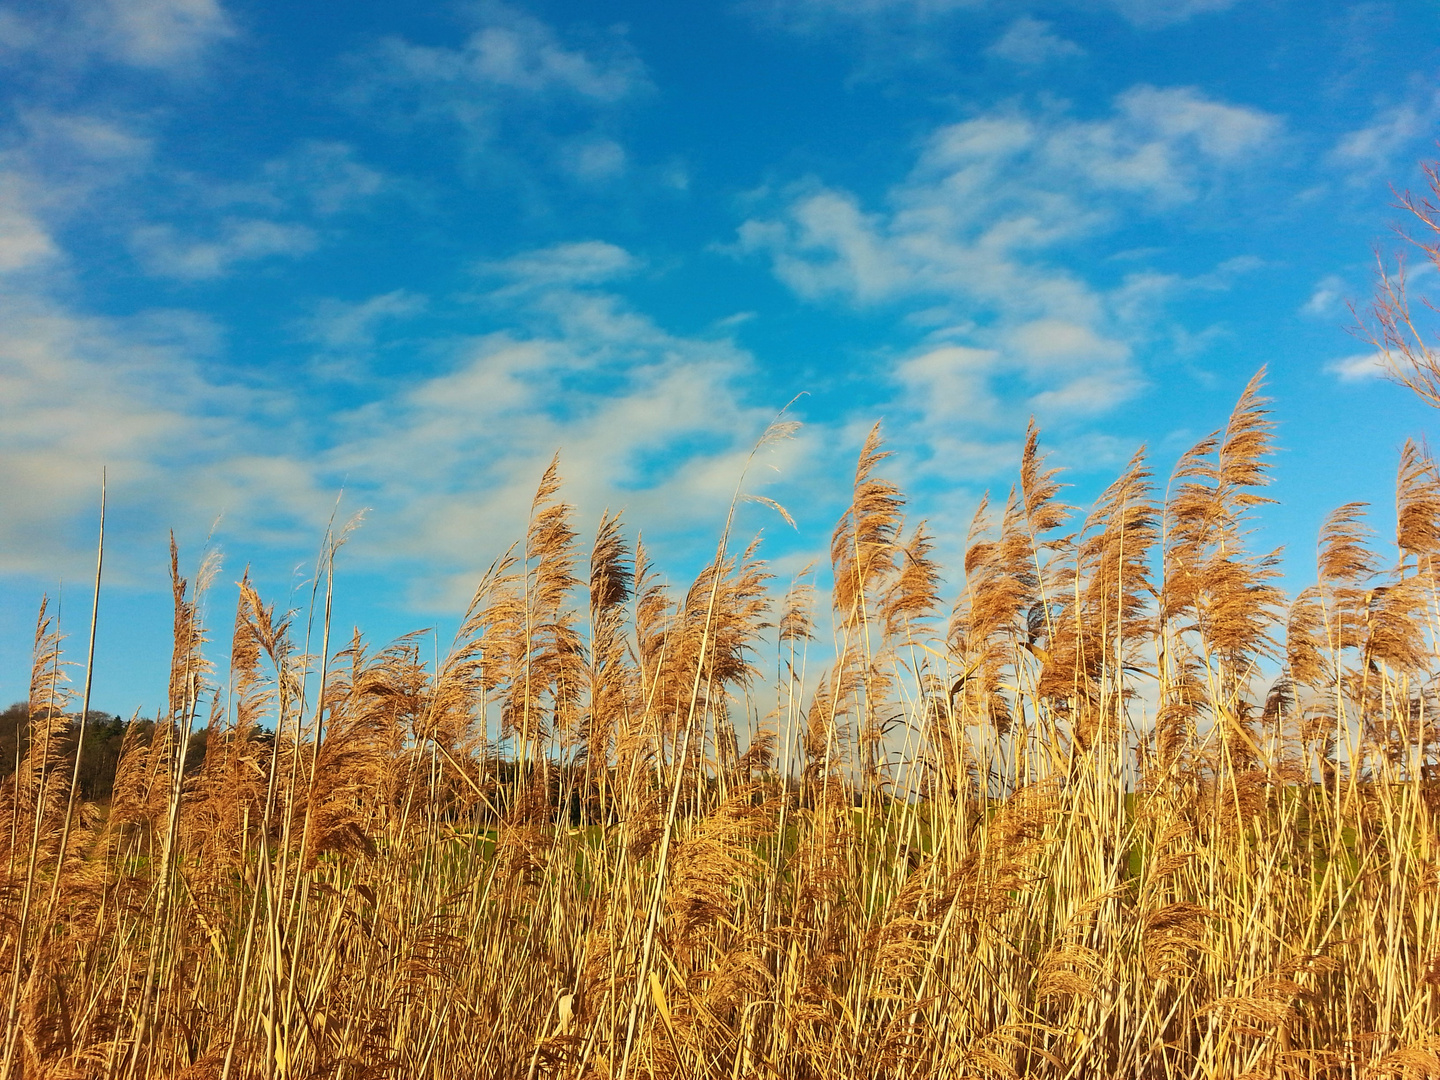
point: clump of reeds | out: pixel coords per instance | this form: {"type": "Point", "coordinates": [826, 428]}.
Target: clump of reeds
{"type": "Point", "coordinates": [1125, 812]}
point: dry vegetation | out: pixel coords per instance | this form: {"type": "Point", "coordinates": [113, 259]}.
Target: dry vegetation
{"type": "Point", "coordinates": [1120, 811]}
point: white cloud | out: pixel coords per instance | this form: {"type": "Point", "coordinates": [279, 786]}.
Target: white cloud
{"type": "Point", "coordinates": [1055, 342]}
{"type": "Point", "coordinates": [676, 176]}
{"type": "Point", "coordinates": [224, 224]}
{"type": "Point", "coordinates": [1227, 133]}
{"type": "Point", "coordinates": [1157, 13]}
{"type": "Point", "coordinates": [24, 240]}
{"type": "Point", "coordinates": [1141, 294]}
{"type": "Point", "coordinates": [165, 252]}
{"type": "Point", "coordinates": [80, 394]}
{"type": "Point", "coordinates": [339, 326]}
{"type": "Point", "coordinates": [314, 178]}
{"type": "Point", "coordinates": [159, 34]}
{"type": "Point", "coordinates": [584, 262]}
{"type": "Point", "coordinates": [499, 58]}
{"type": "Point", "coordinates": [1372, 149]}
{"type": "Point", "coordinates": [811, 15]}
{"type": "Point", "coordinates": [1088, 392]}
{"type": "Point", "coordinates": [1358, 368]}
{"type": "Point", "coordinates": [1327, 299]}
{"type": "Point", "coordinates": [512, 63]}
{"type": "Point", "coordinates": [524, 54]}
{"type": "Point", "coordinates": [325, 175]}
{"type": "Point", "coordinates": [952, 387]}
{"type": "Point", "coordinates": [951, 384]}
{"type": "Point", "coordinates": [1165, 142]}
{"type": "Point", "coordinates": [70, 167]}
{"type": "Point", "coordinates": [71, 140]}
{"type": "Point", "coordinates": [16, 32]}
{"type": "Point", "coordinates": [594, 159]}
{"type": "Point", "coordinates": [162, 33]}
{"type": "Point", "coordinates": [61, 163]}
{"type": "Point", "coordinates": [830, 246]}
{"type": "Point", "coordinates": [1032, 42]}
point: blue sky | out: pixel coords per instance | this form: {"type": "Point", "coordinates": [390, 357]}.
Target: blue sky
{"type": "Point", "coordinates": [252, 254]}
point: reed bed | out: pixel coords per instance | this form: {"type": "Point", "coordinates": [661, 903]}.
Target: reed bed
{"type": "Point", "coordinates": [1119, 811]}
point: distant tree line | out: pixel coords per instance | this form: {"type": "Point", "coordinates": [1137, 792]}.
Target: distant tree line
{"type": "Point", "coordinates": [99, 752]}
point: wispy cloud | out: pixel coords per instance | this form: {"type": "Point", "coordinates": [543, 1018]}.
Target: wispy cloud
{"type": "Point", "coordinates": [52, 170]}
{"type": "Point", "coordinates": [515, 51]}
{"type": "Point", "coordinates": [644, 418]}
{"type": "Point", "coordinates": [159, 34]}
{"type": "Point", "coordinates": [512, 65]}
{"type": "Point", "coordinates": [652, 421]}
{"type": "Point", "coordinates": [811, 15]}
{"type": "Point", "coordinates": [1358, 368]}
{"type": "Point", "coordinates": [78, 394]}
{"type": "Point", "coordinates": [970, 240]}
{"type": "Point", "coordinates": [165, 251]}
{"type": "Point", "coordinates": [1372, 150]}
{"type": "Point", "coordinates": [83, 170]}
{"type": "Point", "coordinates": [339, 326]}
{"type": "Point", "coordinates": [325, 175]}
{"type": "Point", "coordinates": [1327, 299]}
{"type": "Point", "coordinates": [984, 194]}
{"type": "Point", "coordinates": [1031, 42]}
{"type": "Point", "coordinates": [216, 225]}
{"type": "Point", "coordinates": [64, 165]}
{"type": "Point", "coordinates": [24, 240]}
{"type": "Point", "coordinates": [584, 262]}
{"type": "Point", "coordinates": [163, 33]}
{"type": "Point", "coordinates": [1158, 13]}
{"type": "Point", "coordinates": [592, 159]}
{"type": "Point", "coordinates": [65, 144]}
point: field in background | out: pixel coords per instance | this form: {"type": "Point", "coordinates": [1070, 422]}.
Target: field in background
{"type": "Point", "coordinates": [1068, 828]}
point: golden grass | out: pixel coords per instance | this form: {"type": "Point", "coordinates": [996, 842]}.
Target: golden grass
{"type": "Point", "coordinates": [1069, 832]}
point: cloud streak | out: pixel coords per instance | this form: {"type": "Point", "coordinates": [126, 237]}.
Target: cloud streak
{"type": "Point", "coordinates": [1362, 367]}
{"type": "Point", "coordinates": [165, 252]}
